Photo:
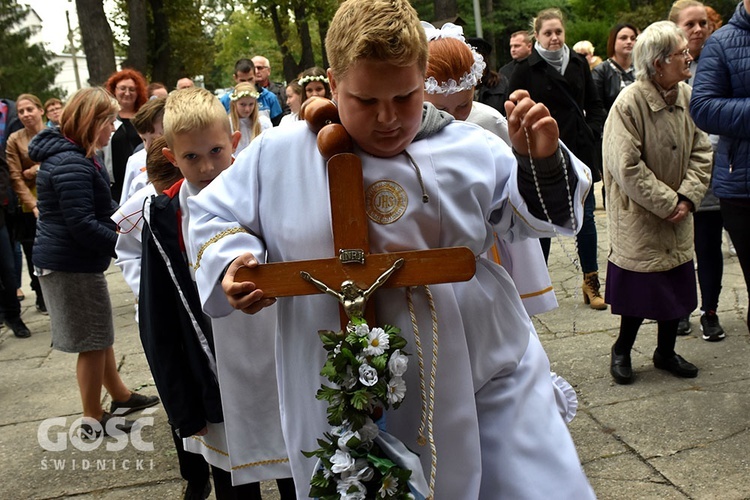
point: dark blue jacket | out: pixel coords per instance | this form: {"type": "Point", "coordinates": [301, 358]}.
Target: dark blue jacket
{"type": "Point", "coordinates": [721, 103]}
{"type": "Point", "coordinates": [175, 333]}
{"type": "Point", "coordinates": [74, 232]}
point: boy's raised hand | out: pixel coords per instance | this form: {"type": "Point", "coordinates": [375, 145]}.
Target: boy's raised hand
{"type": "Point", "coordinates": [523, 112]}
{"type": "Point", "coordinates": [244, 295]}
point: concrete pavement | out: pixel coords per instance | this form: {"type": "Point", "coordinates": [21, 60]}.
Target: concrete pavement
{"type": "Point", "coordinates": [661, 437]}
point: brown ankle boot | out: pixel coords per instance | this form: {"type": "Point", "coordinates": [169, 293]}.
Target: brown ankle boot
{"type": "Point", "coordinates": [591, 293]}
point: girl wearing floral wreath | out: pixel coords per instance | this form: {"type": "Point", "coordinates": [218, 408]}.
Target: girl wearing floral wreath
{"type": "Point", "coordinates": [243, 114]}
{"type": "Point", "coordinates": [314, 82]}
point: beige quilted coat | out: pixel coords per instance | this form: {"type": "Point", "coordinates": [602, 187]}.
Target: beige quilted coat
{"type": "Point", "coordinates": [652, 152]}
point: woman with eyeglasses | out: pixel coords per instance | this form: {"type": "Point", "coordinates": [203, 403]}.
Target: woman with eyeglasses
{"type": "Point", "coordinates": [130, 90]}
{"type": "Point", "coordinates": [657, 165]}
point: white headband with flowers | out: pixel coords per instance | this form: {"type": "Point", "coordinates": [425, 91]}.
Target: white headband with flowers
{"type": "Point", "coordinates": [236, 96]}
{"type": "Point", "coordinates": [470, 79]}
{"type": "Point", "coordinates": [309, 78]}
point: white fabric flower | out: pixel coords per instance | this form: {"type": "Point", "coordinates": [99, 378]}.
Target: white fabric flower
{"type": "Point", "coordinates": [368, 375]}
{"type": "Point", "coordinates": [396, 390]}
{"type": "Point", "coordinates": [344, 438]}
{"type": "Point", "coordinates": [398, 363]}
{"type": "Point", "coordinates": [369, 431]}
{"type": "Point", "coordinates": [389, 486]}
{"type": "Point", "coordinates": [361, 471]}
{"type": "Point", "coordinates": [341, 461]}
{"type": "Point", "coordinates": [344, 485]}
{"type": "Point", "coordinates": [377, 342]}
{"type": "Point", "coordinates": [361, 330]}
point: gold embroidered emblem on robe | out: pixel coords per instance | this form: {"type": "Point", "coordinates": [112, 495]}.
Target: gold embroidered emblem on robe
{"type": "Point", "coordinates": [385, 202]}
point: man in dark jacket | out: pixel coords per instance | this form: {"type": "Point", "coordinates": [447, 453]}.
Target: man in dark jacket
{"type": "Point", "coordinates": [520, 49]}
{"type": "Point", "coordinates": [720, 105]}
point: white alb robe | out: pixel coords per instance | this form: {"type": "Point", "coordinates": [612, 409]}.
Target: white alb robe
{"type": "Point", "coordinates": [136, 164]}
{"type": "Point", "coordinates": [496, 422]}
{"type": "Point", "coordinates": [249, 443]}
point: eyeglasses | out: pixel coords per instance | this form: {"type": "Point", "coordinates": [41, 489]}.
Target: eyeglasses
{"type": "Point", "coordinates": [684, 53]}
{"type": "Point", "coordinates": [261, 67]}
{"type": "Point", "coordinates": [125, 90]}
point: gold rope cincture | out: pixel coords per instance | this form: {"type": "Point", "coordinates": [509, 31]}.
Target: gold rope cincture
{"type": "Point", "coordinates": [558, 237]}
{"type": "Point", "coordinates": [427, 407]}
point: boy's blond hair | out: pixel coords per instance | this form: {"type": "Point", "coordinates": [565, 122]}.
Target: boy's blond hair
{"type": "Point", "coordinates": [380, 30]}
{"type": "Point", "coordinates": [192, 109]}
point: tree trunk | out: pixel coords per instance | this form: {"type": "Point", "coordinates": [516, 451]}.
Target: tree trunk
{"type": "Point", "coordinates": [445, 9]}
{"type": "Point", "coordinates": [291, 69]}
{"type": "Point", "coordinates": [323, 31]}
{"type": "Point", "coordinates": [138, 33]}
{"type": "Point", "coordinates": [162, 49]}
{"type": "Point", "coordinates": [97, 40]}
{"type": "Point", "coordinates": [303, 30]}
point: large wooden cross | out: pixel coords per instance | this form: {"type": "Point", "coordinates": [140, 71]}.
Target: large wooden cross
{"type": "Point", "coordinates": [353, 260]}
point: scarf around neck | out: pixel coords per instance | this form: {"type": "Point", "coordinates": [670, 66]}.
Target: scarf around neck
{"type": "Point", "coordinates": [558, 59]}
{"type": "Point", "coordinates": [669, 95]}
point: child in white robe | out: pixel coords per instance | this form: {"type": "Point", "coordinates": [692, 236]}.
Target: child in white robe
{"type": "Point", "coordinates": [178, 342]}
{"type": "Point", "coordinates": [496, 427]}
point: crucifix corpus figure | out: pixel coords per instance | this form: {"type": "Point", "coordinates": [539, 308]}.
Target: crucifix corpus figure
{"type": "Point", "coordinates": [352, 298]}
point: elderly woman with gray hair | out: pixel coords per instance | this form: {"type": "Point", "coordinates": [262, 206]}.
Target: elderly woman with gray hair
{"type": "Point", "coordinates": [657, 169]}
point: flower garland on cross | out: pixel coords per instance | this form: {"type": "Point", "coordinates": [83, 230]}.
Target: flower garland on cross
{"type": "Point", "coordinates": [366, 367]}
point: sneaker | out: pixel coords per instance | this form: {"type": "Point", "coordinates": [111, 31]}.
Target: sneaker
{"type": "Point", "coordinates": [91, 429]}
{"type": "Point", "coordinates": [683, 327]}
{"type": "Point", "coordinates": [19, 328]}
{"type": "Point", "coordinates": [134, 403]}
{"type": "Point", "coordinates": [712, 330]}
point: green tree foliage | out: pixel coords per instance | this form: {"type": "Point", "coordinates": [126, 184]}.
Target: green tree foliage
{"type": "Point", "coordinates": [299, 28]}
{"type": "Point", "coordinates": [180, 40]}
{"type": "Point", "coordinates": [24, 67]}
{"type": "Point", "coordinates": [246, 34]}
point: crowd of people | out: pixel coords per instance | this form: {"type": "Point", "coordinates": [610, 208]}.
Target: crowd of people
{"type": "Point", "coordinates": [134, 172]}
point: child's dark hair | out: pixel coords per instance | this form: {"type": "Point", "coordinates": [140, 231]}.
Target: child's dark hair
{"type": "Point", "coordinates": [150, 113]}
{"type": "Point", "coordinates": [160, 171]}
